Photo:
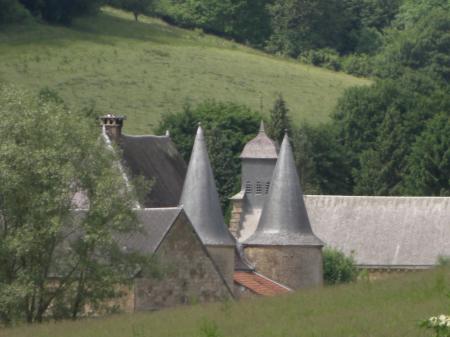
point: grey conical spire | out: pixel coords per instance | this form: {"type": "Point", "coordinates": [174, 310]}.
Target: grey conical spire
{"type": "Point", "coordinates": [284, 219]}
{"type": "Point", "coordinates": [200, 199]}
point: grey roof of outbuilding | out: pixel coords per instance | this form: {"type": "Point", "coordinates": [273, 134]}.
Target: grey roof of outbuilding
{"type": "Point", "coordinates": [284, 219]}
{"type": "Point", "coordinates": [154, 224]}
{"type": "Point", "coordinates": [384, 231]}
{"type": "Point", "coordinates": [200, 199]}
{"type": "Point", "coordinates": [156, 158]}
{"type": "Point", "coordinates": [260, 147]}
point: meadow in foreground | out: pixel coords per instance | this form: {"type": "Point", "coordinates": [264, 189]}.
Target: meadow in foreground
{"type": "Point", "coordinates": [391, 307]}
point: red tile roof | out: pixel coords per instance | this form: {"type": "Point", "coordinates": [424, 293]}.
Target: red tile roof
{"type": "Point", "coordinates": [259, 284]}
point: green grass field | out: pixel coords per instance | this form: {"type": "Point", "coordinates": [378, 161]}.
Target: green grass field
{"type": "Point", "coordinates": [388, 308]}
{"type": "Point", "coordinates": [148, 68]}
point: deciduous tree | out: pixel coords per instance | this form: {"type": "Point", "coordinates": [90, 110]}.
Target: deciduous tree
{"type": "Point", "coordinates": [51, 256]}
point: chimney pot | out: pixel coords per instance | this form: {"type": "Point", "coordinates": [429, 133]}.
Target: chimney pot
{"type": "Point", "coordinates": [113, 126]}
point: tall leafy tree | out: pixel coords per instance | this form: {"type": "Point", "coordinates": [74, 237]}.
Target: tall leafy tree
{"type": "Point", "coordinates": [137, 7]}
{"type": "Point", "coordinates": [53, 261]}
{"type": "Point", "coordinates": [11, 11]}
{"type": "Point", "coordinates": [420, 44]}
{"type": "Point", "coordinates": [322, 164]}
{"type": "Point", "coordinates": [378, 126]}
{"type": "Point", "coordinates": [61, 11]}
{"type": "Point", "coordinates": [429, 162]}
{"type": "Point", "coordinates": [244, 20]}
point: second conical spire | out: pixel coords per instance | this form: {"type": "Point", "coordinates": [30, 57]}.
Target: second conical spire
{"type": "Point", "coordinates": [200, 199]}
{"type": "Point", "coordinates": [284, 219]}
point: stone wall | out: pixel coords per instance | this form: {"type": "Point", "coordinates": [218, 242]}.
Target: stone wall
{"type": "Point", "coordinates": [293, 266]}
{"type": "Point", "coordinates": [189, 274]}
{"type": "Point", "coordinates": [237, 212]}
{"type": "Point", "coordinates": [223, 257]}
{"type": "Point", "coordinates": [241, 292]}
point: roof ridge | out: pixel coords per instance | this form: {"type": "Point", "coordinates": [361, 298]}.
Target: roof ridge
{"type": "Point", "coordinates": [269, 279]}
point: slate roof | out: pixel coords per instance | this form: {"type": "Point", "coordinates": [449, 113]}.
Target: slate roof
{"type": "Point", "coordinates": [200, 199]}
{"type": "Point", "coordinates": [154, 223]}
{"type": "Point", "coordinates": [284, 219]}
{"type": "Point", "coordinates": [401, 232]}
{"type": "Point", "coordinates": [259, 284]}
{"type": "Point", "coordinates": [156, 158]}
{"type": "Point", "coordinates": [260, 147]}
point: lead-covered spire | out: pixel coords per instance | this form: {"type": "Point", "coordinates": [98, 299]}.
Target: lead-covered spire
{"type": "Point", "coordinates": [284, 219]}
{"type": "Point", "coordinates": [200, 199]}
{"type": "Point", "coordinates": [260, 147]}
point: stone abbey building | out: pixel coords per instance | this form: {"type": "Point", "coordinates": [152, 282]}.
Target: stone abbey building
{"type": "Point", "coordinates": [274, 241]}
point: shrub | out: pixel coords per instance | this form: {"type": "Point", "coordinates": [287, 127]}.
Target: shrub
{"type": "Point", "coordinates": [11, 11]}
{"type": "Point", "coordinates": [327, 58]}
{"type": "Point", "coordinates": [357, 64]}
{"type": "Point", "coordinates": [337, 267]}
{"type": "Point", "coordinates": [439, 324]}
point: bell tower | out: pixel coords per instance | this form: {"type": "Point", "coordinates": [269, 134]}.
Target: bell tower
{"type": "Point", "coordinates": [258, 159]}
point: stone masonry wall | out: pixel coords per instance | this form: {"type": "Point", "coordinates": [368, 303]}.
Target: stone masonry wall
{"type": "Point", "coordinates": [189, 275]}
{"type": "Point", "coordinates": [224, 259]}
{"type": "Point", "coordinates": [293, 266]}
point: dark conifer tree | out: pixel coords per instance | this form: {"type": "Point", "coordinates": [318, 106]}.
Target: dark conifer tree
{"type": "Point", "coordinates": [279, 119]}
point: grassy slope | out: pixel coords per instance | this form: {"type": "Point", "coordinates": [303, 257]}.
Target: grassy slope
{"type": "Point", "coordinates": [387, 308]}
{"type": "Point", "coordinates": [148, 68]}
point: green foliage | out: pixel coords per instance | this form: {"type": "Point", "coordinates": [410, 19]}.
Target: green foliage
{"type": "Point", "coordinates": [244, 20]}
{"type": "Point", "coordinates": [47, 154]}
{"type": "Point", "coordinates": [11, 11]}
{"type": "Point", "coordinates": [137, 7]}
{"type": "Point", "coordinates": [412, 11]}
{"type": "Point", "coordinates": [420, 46]}
{"type": "Point", "coordinates": [60, 11]}
{"type": "Point", "coordinates": [337, 267]}
{"type": "Point", "coordinates": [378, 127]}
{"type": "Point", "coordinates": [322, 165]}
{"type": "Point", "coordinates": [429, 161]}
{"type": "Point", "coordinates": [280, 121]}
{"type": "Point", "coordinates": [327, 58]}
{"type": "Point", "coordinates": [357, 64]}
{"type": "Point", "coordinates": [440, 325]}
{"type": "Point", "coordinates": [345, 26]}
{"type": "Point", "coordinates": [209, 329]}
{"type": "Point", "coordinates": [227, 127]}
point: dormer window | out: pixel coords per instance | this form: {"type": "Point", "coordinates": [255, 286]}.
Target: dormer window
{"type": "Point", "coordinates": [267, 187]}
{"type": "Point", "coordinates": [248, 187]}
{"type": "Point", "coordinates": [258, 187]}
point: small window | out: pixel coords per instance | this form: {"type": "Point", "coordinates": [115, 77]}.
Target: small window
{"type": "Point", "coordinates": [267, 187]}
{"type": "Point", "coordinates": [248, 187]}
{"type": "Point", "coordinates": [258, 187]}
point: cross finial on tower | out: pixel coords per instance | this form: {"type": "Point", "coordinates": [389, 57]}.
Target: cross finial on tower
{"type": "Point", "coordinates": [261, 127]}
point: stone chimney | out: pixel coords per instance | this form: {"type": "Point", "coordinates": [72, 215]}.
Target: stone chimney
{"type": "Point", "coordinates": [113, 126]}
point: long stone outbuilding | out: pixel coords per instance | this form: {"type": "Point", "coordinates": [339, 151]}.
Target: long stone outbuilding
{"type": "Point", "coordinates": [382, 233]}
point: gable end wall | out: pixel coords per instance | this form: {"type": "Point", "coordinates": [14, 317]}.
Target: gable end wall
{"type": "Point", "coordinates": [189, 275]}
